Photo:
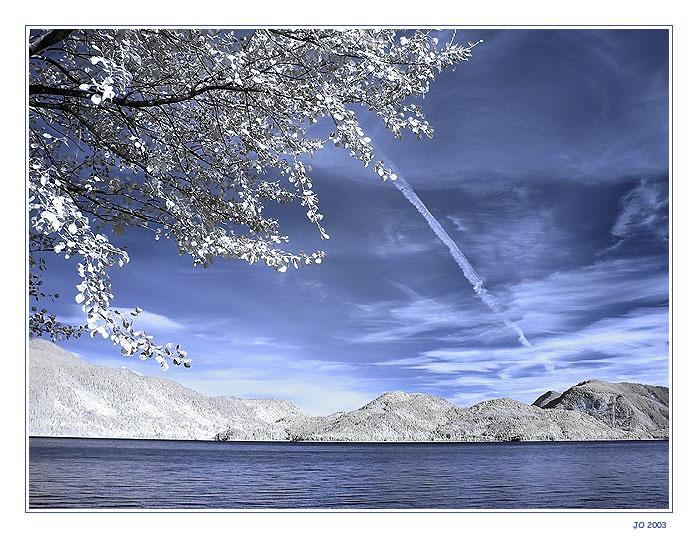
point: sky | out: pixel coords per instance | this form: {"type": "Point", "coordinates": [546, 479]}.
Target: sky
{"type": "Point", "coordinates": [549, 168]}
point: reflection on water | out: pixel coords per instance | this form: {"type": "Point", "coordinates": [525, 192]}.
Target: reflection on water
{"type": "Point", "coordinates": [103, 473]}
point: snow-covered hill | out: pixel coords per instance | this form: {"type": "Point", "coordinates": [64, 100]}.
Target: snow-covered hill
{"type": "Point", "coordinates": [626, 406]}
{"type": "Point", "coordinates": [397, 416]}
{"type": "Point", "coordinates": [394, 416]}
{"type": "Point", "coordinates": [68, 397]}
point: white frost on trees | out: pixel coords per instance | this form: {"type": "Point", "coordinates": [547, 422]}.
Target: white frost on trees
{"type": "Point", "coordinates": [188, 133]}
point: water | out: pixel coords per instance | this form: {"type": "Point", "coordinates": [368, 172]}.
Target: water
{"type": "Point", "coordinates": [141, 474]}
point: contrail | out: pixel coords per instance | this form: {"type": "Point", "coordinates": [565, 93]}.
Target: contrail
{"type": "Point", "coordinates": [468, 270]}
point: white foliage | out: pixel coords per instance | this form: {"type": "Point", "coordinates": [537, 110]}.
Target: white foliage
{"type": "Point", "coordinates": [188, 133]}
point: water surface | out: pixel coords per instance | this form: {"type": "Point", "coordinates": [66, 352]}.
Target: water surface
{"type": "Point", "coordinates": [68, 473]}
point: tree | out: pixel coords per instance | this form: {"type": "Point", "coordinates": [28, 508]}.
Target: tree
{"type": "Point", "coordinates": [188, 133]}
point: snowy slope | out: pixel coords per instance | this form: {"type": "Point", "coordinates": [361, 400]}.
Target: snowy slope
{"type": "Point", "coordinates": [397, 416]}
{"type": "Point", "coordinates": [68, 397]}
{"type": "Point", "coordinates": [503, 419]}
{"type": "Point", "coordinates": [625, 406]}
{"type": "Point", "coordinates": [394, 416]}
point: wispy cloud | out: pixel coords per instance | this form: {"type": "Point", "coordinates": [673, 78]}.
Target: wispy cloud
{"type": "Point", "coordinates": [513, 241]}
{"type": "Point", "coordinates": [318, 386]}
{"type": "Point", "coordinates": [400, 239]}
{"type": "Point", "coordinates": [608, 320]}
{"type": "Point", "coordinates": [560, 302]}
{"type": "Point", "coordinates": [633, 346]}
{"type": "Point", "coordinates": [644, 211]}
{"type": "Point", "coordinates": [568, 300]}
{"type": "Point", "coordinates": [151, 321]}
{"type": "Point", "coordinates": [412, 317]}
{"type": "Point", "coordinates": [146, 320]}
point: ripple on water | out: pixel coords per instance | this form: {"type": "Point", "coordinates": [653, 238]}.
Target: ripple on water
{"type": "Point", "coordinates": [102, 473]}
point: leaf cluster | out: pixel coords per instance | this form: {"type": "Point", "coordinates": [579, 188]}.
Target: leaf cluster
{"type": "Point", "coordinates": [191, 133]}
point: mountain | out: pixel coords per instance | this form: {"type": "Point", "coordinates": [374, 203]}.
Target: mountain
{"type": "Point", "coordinates": [545, 398]}
{"type": "Point", "coordinates": [630, 407]}
{"type": "Point", "coordinates": [503, 419]}
{"type": "Point", "coordinates": [68, 397]}
{"type": "Point", "coordinates": [396, 416]}
{"type": "Point", "coordinates": [71, 398]}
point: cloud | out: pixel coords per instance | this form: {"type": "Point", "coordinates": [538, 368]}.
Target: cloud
{"type": "Point", "coordinates": [317, 396]}
{"type": "Point", "coordinates": [567, 300]}
{"type": "Point", "coordinates": [644, 212]}
{"type": "Point", "coordinates": [608, 320]}
{"type": "Point", "coordinates": [241, 338]}
{"type": "Point", "coordinates": [146, 320]}
{"type": "Point", "coordinates": [318, 386]}
{"type": "Point", "coordinates": [404, 239]}
{"type": "Point", "coordinates": [633, 346]}
{"type": "Point", "coordinates": [413, 317]}
{"type": "Point", "coordinates": [153, 322]}
{"type": "Point", "coordinates": [564, 301]}
{"type": "Point", "coordinates": [511, 240]}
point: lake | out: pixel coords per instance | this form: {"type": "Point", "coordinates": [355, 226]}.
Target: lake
{"type": "Point", "coordinates": [69, 473]}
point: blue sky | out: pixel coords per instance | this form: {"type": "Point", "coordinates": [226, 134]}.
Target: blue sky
{"type": "Point", "coordinates": [549, 169]}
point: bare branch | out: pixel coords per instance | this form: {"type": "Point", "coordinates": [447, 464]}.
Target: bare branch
{"type": "Point", "coordinates": [46, 40]}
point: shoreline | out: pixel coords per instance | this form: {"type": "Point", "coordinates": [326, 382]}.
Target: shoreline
{"type": "Point", "coordinates": [288, 442]}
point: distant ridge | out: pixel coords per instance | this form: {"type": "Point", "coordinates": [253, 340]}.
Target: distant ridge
{"type": "Point", "coordinates": [628, 406]}
{"type": "Point", "coordinates": [546, 397]}
{"type": "Point", "coordinates": [70, 398]}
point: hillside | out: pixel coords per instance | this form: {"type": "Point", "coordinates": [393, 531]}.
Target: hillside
{"type": "Point", "coordinates": [626, 406]}
{"type": "Point", "coordinates": [68, 397]}
{"type": "Point", "coordinates": [396, 416]}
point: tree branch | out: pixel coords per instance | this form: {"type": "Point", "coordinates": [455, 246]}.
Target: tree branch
{"type": "Point", "coordinates": [41, 89]}
{"type": "Point", "coordinates": [46, 40]}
